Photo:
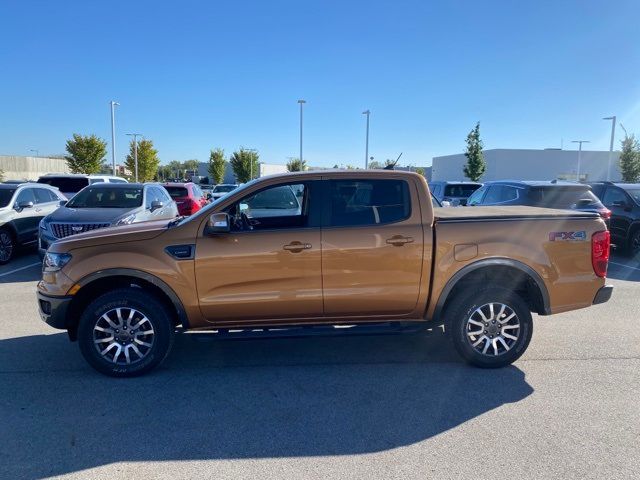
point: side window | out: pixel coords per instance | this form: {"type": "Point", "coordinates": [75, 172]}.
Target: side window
{"type": "Point", "coordinates": [509, 194]}
{"type": "Point", "coordinates": [476, 197]}
{"type": "Point", "coordinates": [149, 197]}
{"type": "Point", "coordinates": [166, 198]}
{"type": "Point", "coordinates": [44, 196]}
{"type": "Point", "coordinates": [96, 180]}
{"type": "Point", "coordinates": [26, 195]}
{"type": "Point", "coordinates": [494, 195]}
{"type": "Point", "coordinates": [368, 202]}
{"type": "Point", "coordinates": [613, 195]}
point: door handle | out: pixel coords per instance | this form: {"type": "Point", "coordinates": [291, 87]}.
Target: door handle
{"type": "Point", "coordinates": [296, 247]}
{"type": "Point", "coordinates": [399, 240]}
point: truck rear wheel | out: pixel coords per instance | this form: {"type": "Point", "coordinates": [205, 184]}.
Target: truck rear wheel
{"type": "Point", "coordinates": [491, 328]}
{"type": "Point", "coordinates": [125, 333]}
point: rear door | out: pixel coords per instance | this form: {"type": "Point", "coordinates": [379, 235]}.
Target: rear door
{"type": "Point", "coordinates": [616, 200]}
{"type": "Point", "coordinates": [27, 219]}
{"type": "Point", "coordinates": [372, 247]}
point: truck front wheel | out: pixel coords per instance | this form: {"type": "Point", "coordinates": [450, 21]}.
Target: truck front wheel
{"type": "Point", "coordinates": [491, 328]}
{"type": "Point", "coordinates": [125, 332]}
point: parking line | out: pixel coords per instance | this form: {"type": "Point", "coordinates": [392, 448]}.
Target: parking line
{"type": "Point", "coordinates": [623, 265]}
{"type": "Point", "coordinates": [19, 269]}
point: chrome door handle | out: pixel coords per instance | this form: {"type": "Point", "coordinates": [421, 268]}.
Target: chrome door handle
{"type": "Point", "coordinates": [399, 240]}
{"type": "Point", "coordinates": [296, 247]}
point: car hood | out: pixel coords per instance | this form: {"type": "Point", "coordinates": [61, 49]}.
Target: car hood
{"type": "Point", "coordinates": [105, 236]}
{"type": "Point", "coordinates": [89, 215]}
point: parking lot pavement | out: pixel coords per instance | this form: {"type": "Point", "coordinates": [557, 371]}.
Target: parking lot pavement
{"type": "Point", "coordinates": [351, 407]}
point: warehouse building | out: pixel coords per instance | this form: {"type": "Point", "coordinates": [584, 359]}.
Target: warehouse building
{"type": "Point", "coordinates": [524, 164]}
{"type": "Point", "coordinates": [17, 167]}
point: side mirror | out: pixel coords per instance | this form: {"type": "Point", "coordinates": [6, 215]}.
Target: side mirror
{"type": "Point", "coordinates": [209, 196]}
{"type": "Point", "coordinates": [244, 207]}
{"type": "Point", "coordinates": [22, 205]}
{"type": "Point", "coordinates": [218, 223]}
{"type": "Point", "coordinates": [446, 203]}
{"type": "Point", "coordinates": [155, 205]}
{"type": "Point", "coordinates": [63, 202]}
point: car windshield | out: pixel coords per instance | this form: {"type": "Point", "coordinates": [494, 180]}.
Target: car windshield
{"type": "Point", "coordinates": [461, 190]}
{"type": "Point", "coordinates": [66, 184]}
{"type": "Point", "coordinates": [635, 194]}
{"type": "Point", "coordinates": [223, 188]}
{"type": "Point", "coordinates": [279, 198]}
{"type": "Point", "coordinates": [565, 198]}
{"type": "Point", "coordinates": [177, 192]}
{"type": "Point", "coordinates": [5, 196]}
{"type": "Point", "coordinates": [104, 197]}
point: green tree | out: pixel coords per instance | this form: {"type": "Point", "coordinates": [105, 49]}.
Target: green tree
{"type": "Point", "coordinates": [374, 164]}
{"type": "Point", "coordinates": [295, 165]}
{"type": "Point", "coordinates": [245, 164]}
{"type": "Point", "coordinates": [419, 171]}
{"type": "Point", "coordinates": [191, 165]}
{"type": "Point", "coordinates": [148, 161]}
{"type": "Point", "coordinates": [217, 165]}
{"type": "Point", "coordinates": [630, 159]}
{"type": "Point", "coordinates": [85, 153]}
{"type": "Point", "coordinates": [476, 166]}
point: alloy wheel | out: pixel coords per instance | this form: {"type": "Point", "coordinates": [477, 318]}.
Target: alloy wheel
{"type": "Point", "coordinates": [123, 336]}
{"type": "Point", "coordinates": [493, 329]}
{"type": "Point", "coordinates": [6, 246]}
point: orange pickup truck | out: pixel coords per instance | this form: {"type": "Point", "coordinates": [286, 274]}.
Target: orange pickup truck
{"type": "Point", "coordinates": [319, 251]}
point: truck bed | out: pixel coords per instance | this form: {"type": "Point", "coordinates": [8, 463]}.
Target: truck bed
{"type": "Point", "coordinates": [516, 212]}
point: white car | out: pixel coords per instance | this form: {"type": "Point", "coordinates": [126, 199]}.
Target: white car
{"type": "Point", "coordinates": [70, 184]}
{"type": "Point", "coordinates": [222, 189]}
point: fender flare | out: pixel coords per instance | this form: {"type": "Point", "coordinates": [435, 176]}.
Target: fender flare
{"type": "Point", "coordinates": [492, 262]}
{"type": "Point", "coordinates": [152, 279]}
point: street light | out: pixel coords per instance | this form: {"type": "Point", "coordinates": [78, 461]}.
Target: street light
{"type": "Point", "coordinates": [135, 150]}
{"type": "Point", "coordinates": [579, 142]}
{"type": "Point", "coordinates": [301, 102]}
{"type": "Point", "coordinates": [35, 150]}
{"type": "Point", "coordinates": [250, 150]}
{"type": "Point", "coordinates": [613, 133]}
{"type": "Point", "coordinates": [366, 148]}
{"type": "Point", "coordinates": [113, 135]}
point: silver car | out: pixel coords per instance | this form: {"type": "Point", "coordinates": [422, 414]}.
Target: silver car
{"type": "Point", "coordinates": [104, 205]}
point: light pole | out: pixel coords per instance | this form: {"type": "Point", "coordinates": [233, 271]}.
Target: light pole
{"type": "Point", "coordinates": [135, 150]}
{"type": "Point", "coordinates": [301, 102]}
{"type": "Point", "coordinates": [113, 135]}
{"type": "Point", "coordinates": [250, 150]}
{"type": "Point", "coordinates": [579, 142]}
{"type": "Point", "coordinates": [613, 134]}
{"type": "Point", "coordinates": [366, 148]}
{"type": "Point", "coordinates": [35, 150]}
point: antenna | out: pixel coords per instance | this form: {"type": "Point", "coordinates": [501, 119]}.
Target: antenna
{"type": "Point", "coordinates": [393, 165]}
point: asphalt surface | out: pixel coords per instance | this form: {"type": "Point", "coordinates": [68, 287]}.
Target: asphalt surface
{"type": "Point", "coordinates": [391, 407]}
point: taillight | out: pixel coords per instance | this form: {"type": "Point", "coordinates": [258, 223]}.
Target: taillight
{"type": "Point", "coordinates": [600, 243]}
{"type": "Point", "coordinates": [605, 213]}
{"type": "Point", "coordinates": [193, 206]}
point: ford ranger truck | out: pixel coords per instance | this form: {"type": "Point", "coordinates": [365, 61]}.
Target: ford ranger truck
{"type": "Point", "coordinates": [314, 251]}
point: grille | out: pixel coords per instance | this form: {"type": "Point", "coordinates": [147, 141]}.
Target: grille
{"type": "Point", "coordinates": [61, 230]}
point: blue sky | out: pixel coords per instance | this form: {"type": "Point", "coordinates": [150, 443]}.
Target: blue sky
{"type": "Point", "coordinates": [196, 75]}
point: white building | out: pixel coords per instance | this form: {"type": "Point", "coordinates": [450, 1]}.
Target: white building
{"type": "Point", "coordinates": [17, 167]}
{"type": "Point", "coordinates": [523, 164]}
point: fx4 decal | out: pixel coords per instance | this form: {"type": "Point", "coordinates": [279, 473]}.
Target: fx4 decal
{"type": "Point", "coordinates": [580, 236]}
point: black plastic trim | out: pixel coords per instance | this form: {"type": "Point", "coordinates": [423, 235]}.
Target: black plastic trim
{"type": "Point", "coordinates": [603, 295]}
{"type": "Point", "coordinates": [181, 252]}
{"type": "Point", "coordinates": [492, 262]}
{"type": "Point", "coordinates": [57, 316]}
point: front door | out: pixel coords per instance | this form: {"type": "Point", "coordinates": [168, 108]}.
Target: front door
{"type": "Point", "coordinates": [268, 266]}
{"type": "Point", "coordinates": [372, 247]}
{"type": "Point", "coordinates": [616, 200]}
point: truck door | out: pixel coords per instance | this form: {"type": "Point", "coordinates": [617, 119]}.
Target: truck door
{"type": "Point", "coordinates": [372, 247]}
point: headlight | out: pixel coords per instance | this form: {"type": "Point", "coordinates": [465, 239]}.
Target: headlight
{"type": "Point", "coordinates": [43, 224]}
{"type": "Point", "coordinates": [126, 220]}
{"type": "Point", "coordinates": [55, 261]}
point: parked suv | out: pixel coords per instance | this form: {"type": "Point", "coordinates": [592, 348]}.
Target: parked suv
{"type": "Point", "coordinates": [22, 206]}
{"type": "Point", "coordinates": [553, 194]}
{"type": "Point", "coordinates": [70, 184]}
{"type": "Point", "coordinates": [456, 193]}
{"type": "Point", "coordinates": [103, 205]}
{"type": "Point", "coordinates": [623, 199]}
{"type": "Point", "coordinates": [188, 196]}
{"type": "Point", "coordinates": [314, 252]}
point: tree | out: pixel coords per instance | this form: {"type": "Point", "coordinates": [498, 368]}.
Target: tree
{"type": "Point", "coordinates": [148, 161]}
{"type": "Point", "coordinates": [191, 166]}
{"type": "Point", "coordinates": [419, 171]}
{"type": "Point", "coordinates": [476, 166]}
{"type": "Point", "coordinates": [85, 153]}
{"type": "Point", "coordinates": [374, 164]}
{"type": "Point", "coordinates": [295, 165]}
{"type": "Point", "coordinates": [630, 158]}
{"type": "Point", "coordinates": [217, 165]}
{"type": "Point", "coordinates": [245, 164]}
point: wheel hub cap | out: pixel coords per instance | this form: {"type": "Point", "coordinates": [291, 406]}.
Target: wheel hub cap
{"type": "Point", "coordinates": [123, 336]}
{"type": "Point", "coordinates": [493, 329]}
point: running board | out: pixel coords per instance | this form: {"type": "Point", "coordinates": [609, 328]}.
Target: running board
{"type": "Point", "coordinates": [384, 328]}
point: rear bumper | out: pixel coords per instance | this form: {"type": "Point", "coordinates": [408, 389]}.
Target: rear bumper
{"type": "Point", "coordinates": [53, 310]}
{"type": "Point", "coordinates": [603, 295]}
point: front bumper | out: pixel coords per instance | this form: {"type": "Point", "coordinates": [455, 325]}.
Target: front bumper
{"type": "Point", "coordinates": [53, 310]}
{"type": "Point", "coordinates": [603, 295]}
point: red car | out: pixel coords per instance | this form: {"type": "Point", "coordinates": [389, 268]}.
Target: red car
{"type": "Point", "coordinates": [188, 196]}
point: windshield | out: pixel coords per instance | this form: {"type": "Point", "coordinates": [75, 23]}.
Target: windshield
{"type": "Point", "coordinates": [101, 197]}
{"type": "Point", "coordinates": [462, 190]}
{"type": "Point", "coordinates": [223, 188]}
{"type": "Point", "coordinates": [5, 196]}
{"type": "Point", "coordinates": [564, 198]}
{"type": "Point", "coordinates": [66, 184]}
{"type": "Point", "coordinates": [177, 192]}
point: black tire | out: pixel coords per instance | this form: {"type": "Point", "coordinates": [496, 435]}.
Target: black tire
{"type": "Point", "coordinates": [465, 308]}
{"type": "Point", "coordinates": [7, 246]}
{"type": "Point", "coordinates": [127, 300]}
{"type": "Point", "coordinates": [633, 244]}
